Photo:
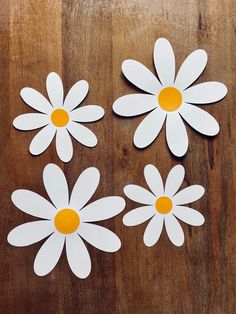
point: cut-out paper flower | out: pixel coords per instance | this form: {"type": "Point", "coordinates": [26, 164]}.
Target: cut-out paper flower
{"type": "Point", "coordinates": [59, 117]}
{"type": "Point", "coordinates": [66, 221]}
{"type": "Point", "coordinates": [170, 98]}
{"type": "Point", "coordinates": [163, 205]}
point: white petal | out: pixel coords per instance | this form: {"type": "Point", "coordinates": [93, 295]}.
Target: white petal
{"type": "Point", "coordinates": [140, 76]}
{"type": "Point", "coordinates": [87, 113]}
{"type": "Point", "coordinates": [36, 100]}
{"type": "Point", "coordinates": [42, 140]}
{"type": "Point", "coordinates": [164, 60]}
{"type": "Point", "coordinates": [49, 254]}
{"type": "Point", "coordinates": [200, 120]}
{"type": "Point", "coordinates": [149, 128]}
{"type": "Point", "coordinates": [84, 188]}
{"type": "Point", "coordinates": [154, 180]}
{"type": "Point", "coordinates": [139, 194]}
{"type": "Point", "coordinates": [31, 121]}
{"type": "Point", "coordinates": [104, 208]}
{"type": "Point", "coordinates": [78, 256]}
{"type": "Point", "coordinates": [82, 134]}
{"type": "Point", "coordinates": [174, 230]}
{"type": "Point", "coordinates": [176, 134]}
{"type": "Point", "coordinates": [205, 93]}
{"type": "Point", "coordinates": [30, 232]}
{"type": "Point", "coordinates": [138, 215]}
{"type": "Point", "coordinates": [64, 145]}
{"type": "Point", "coordinates": [174, 180]}
{"type": "Point", "coordinates": [153, 231]}
{"type": "Point", "coordinates": [56, 185]}
{"type": "Point", "coordinates": [188, 195]}
{"type": "Point", "coordinates": [191, 68]}
{"type": "Point", "coordinates": [134, 104]}
{"type": "Point", "coordinates": [100, 237]}
{"type": "Point", "coordinates": [188, 215]}
{"type": "Point", "coordinates": [33, 204]}
{"type": "Point", "coordinates": [55, 89]}
{"type": "Point", "coordinates": [76, 95]}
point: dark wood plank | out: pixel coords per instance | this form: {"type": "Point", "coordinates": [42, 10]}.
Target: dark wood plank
{"type": "Point", "coordinates": [87, 54]}
{"type": "Point", "coordinates": [89, 40]}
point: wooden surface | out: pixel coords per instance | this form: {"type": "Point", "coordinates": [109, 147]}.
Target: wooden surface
{"type": "Point", "coordinates": [89, 39]}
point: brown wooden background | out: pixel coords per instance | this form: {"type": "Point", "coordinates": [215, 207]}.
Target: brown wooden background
{"type": "Point", "coordinates": [89, 39]}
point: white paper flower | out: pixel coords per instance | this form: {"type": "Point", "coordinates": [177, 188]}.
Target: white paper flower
{"type": "Point", "coordinates": [163, 205]}
{"type": "Point", "coordinates": [59, 118]}
{"type": "Point", "coordinates": [169, 98]}
{"type": "Point", "coordinates": [66, 221]}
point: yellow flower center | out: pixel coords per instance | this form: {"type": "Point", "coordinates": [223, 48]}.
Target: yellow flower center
{"type": "Point", "coordinates": [164, 205]}
{"type": "Point", "coordinates": [170, 98]}
{"type": "Point", "coordinates": [67, 221]}
{"type": "Point", "coordinates": [60, 117]}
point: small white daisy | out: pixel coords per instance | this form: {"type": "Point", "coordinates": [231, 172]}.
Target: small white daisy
{"type": "Point", "coordinates": [169, 98]}
{"type": "Point", "coordinates": [59, 118]}
{"type": "Point", "coordinates": [163, 205]}
{"type": "Point", "coordinates": [66, 221]}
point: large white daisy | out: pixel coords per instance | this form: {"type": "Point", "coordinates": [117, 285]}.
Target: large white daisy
{"type": "Point", "coordinates": [66, 221]}
{"type": "Point", "coordinates": [59, 117]}
{"type": "Point", "coordinates": [163, 205]}
{"type": "Point", "coordinates": [170, 98]}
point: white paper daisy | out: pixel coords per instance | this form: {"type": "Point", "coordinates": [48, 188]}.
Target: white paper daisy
{"type": "Point", "coordinates": [163, 205]}
{"type": "Point", "coordinates": [59, 117]}
{"type": "Point", "coordinates": [66, 221]}
{"type": "Point", "coordinates": [170, 98]}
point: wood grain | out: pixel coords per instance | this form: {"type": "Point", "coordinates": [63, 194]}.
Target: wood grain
{"type": "Point", "coordinates": [89, 39]}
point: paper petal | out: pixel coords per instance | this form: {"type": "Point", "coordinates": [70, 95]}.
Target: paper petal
{"type": "Point", "coordinates": [200, 120]}
{"type": "Point", "coordinates": [174, 230]}
{"type": "Point", "coordinates": [76, 95]}
{"type": "Point", "coordinates": [149, 128]}
{"type": "Point", "coordinates": [78, 256]}
{"type": "Point", "coordinates": [139, 194]}
{"type": "Point", "coordinates": [31, 121]}
{"type": "Point", "coordinates": [191, 69]}
{"type": "Point", "coordinates": [49, 254]}
{"type": "Point", "coordinates": [56, 186]}
{"type": "Point", "coordinates": [205, 93]}
{"type": "Point", "coordinates": [55, 89]}
{"type": "Point", "coordinates": [100, 237]}
{"type": "Point", "coordinates": [30, 232]}
{"type": "Point", "coordinates": [87, 113]}
{"type": "Point", "coordinates": [33, 204]}
{"type": "Point", "coordinates": [42, 140]}
{"type": "Point", "coordinates": [36, 100]}
{"type": "Point", "coordinates": [140, 76]}
{"type": "Point", "coordinates": [174, 180]}
{"type": "Point", "coordinates": [82, 134]}
{"type": "Point", "coordinates": [64, 145]}
{"type": "Point", "coordinates": [134, 104]}
{"type": "Point", "coordinates": [164, 60]}
{"type": "Point", "coordinates": [188, 195]}
{"type": "Point", "coordinates": [153, 230]}
{"type": "Point", "coordinates": [139, 215]}
{"type": "Point", "coordinates": [176, 134]}
{"type": "Point", "coordinates": [188, 215]}
{"type": "Point", "coordinates": [154, 180]}
{"type": "Point", "coordinates": [104, 208]}
{"type": "Point", "coordinates": [84, 188]}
